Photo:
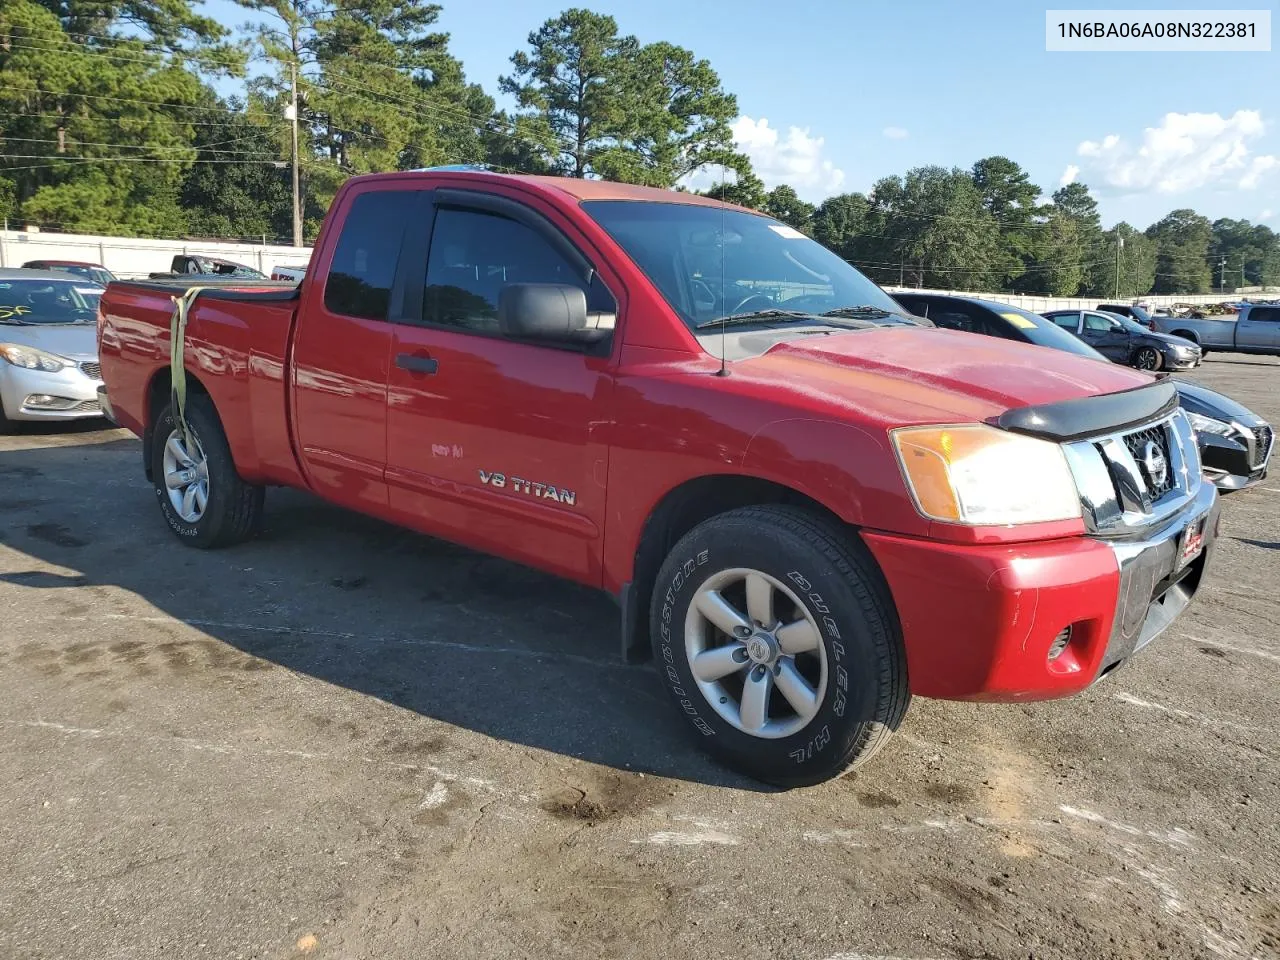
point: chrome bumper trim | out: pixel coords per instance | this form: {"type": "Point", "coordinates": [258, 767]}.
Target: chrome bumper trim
{"type": "Point", "coordinates": [1152, 593]}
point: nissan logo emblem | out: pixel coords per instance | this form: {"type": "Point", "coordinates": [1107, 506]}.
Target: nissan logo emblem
{"type": "Point", "coordinates": [1154, 462]}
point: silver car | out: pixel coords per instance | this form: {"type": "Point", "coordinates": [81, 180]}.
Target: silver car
{"type": "Point", "coordinates": [48, 347]}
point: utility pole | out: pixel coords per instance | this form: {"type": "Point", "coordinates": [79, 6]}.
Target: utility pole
{"type": "Point", "coordinates": [293, 128]}
{"type": "Point", "coordinates": [1119, 247]}
{"type": "Point", "coordinates": [1222, 274]}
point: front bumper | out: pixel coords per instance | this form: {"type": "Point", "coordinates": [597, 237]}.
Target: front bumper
{"type": "Point", "coordinates": [69, 394]}
{"type": "Point", "coordinates": [980, 622]}
{"type": "Point", "coordinates": [1174, 362]}
{"type": "Point", "coordinates": [1235, 462]}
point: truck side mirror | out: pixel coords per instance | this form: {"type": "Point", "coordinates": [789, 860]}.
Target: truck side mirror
{"type": "Point", "coordinates": [550, 311]}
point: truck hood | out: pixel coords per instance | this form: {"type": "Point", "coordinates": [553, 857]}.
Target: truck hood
{"type": "Point", "coordinates": [901, 376]}
{"type": "Point", "coordinates": [75, 341]}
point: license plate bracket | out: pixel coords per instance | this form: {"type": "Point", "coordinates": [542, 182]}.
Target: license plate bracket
{"type": "Point", "coordinates": [1190, 543]}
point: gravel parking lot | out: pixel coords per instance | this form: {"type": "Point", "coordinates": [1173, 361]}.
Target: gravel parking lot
{"type": "Point", "coordinates": [347, 741]}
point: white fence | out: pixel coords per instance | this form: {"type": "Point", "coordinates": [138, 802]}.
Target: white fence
{"type": "Point", "coordinates": [130, 258]}
{"type": "Point", "coordinates": [1038, 304]}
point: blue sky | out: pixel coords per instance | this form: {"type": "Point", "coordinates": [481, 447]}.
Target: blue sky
{"type": "Point", "coordinates": [872, 89]}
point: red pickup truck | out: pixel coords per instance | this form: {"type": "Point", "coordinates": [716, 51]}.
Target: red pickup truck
{"type": "Point", "coordinates": [808, 504]}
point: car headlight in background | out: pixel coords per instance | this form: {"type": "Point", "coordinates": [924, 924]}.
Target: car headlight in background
{"type": "Point", "coordinates": [1202, 424]}
{"type": "Point", "coordinates": [32, 359]}
{"type": "Point", "coordinates": [975, 474]}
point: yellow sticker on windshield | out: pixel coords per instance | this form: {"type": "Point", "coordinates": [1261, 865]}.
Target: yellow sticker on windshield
{"type": "Point", "coordinates": [8, 313]}
{"type": "Point", "coordinates": [1018, 320]}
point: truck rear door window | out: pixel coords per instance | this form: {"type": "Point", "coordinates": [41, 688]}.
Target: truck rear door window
{"type": "Point", "coordinates": [474, 254]}
{"type": "Point", "coordinates": [364, 265]}
{"type": "Point", "coordinates": [1265, 314]}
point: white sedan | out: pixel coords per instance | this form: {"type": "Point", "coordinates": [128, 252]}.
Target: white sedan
{"type": "Point", "coordinates": [48, 347]}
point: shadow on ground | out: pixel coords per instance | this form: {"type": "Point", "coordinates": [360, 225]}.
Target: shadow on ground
{"type": "Point", "coordinates": [419, 623]}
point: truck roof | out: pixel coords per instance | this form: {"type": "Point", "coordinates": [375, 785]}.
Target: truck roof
{"type": "Point", "coordinates": [577, 189]}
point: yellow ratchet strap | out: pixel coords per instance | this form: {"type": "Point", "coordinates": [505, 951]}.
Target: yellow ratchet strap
{"type": "Point", "coordinates": [177, 366]}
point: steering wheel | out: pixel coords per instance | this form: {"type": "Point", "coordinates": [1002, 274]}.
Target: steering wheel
{"type": "Point", "coordinates": [766, 303]}
{"type": "Point", "coordinates": [701, 286]}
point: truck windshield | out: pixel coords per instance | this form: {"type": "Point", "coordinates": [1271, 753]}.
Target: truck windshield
{"type": "Point", "coordinates": [710, 263]}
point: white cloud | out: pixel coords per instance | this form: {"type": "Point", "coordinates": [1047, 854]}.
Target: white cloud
{"type": "Point", "coordinates": [1185, 152]}
{"type": "Point", "coordinates": [1266, 214]}
{"type": "Point", "coordinates": [895, 133]}
{"type": "Point", "coordinates": [1069, 175]}
{"type": "Point", "coordinates": [1257, 167]}
{"type": "Point", "coordinates": [795, 159]}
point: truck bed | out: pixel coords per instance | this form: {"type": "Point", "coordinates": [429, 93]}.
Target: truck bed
{"type": "Point", "coordinates": [237, 341]}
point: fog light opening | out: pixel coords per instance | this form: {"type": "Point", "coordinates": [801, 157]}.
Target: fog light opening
{"type": "Point", "coordinates": [1060, 642]}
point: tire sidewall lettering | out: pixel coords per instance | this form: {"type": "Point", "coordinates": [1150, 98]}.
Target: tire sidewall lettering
{"type": "Point", "coordinates": [802, 747]}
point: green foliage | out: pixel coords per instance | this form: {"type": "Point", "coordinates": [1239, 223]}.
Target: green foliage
{"type": "Point", "coordinates": [248, 200]}
{"type": "Point", "coordinates": [108, 124]}
{"type": "Point", "coordinates": [1251, 252]}
{"type": "Point", "coordinates": [1125, 270]}
{"type": "Point", "coordinates": [1182, 252]}
{"type": "Point", "coordinates": [840, 223]}
{"type": "Point", "coordinates": [96, 137]}
{"type": "Point", "coordinates": [598, 104]}
{"type": "Point", "coordinates": [1011, 198]}
{"type": "Point", "coordinates": [739, 184]}
{"type": "Point", "coordinates": [781, 203]}
{"type": "Point", "coordinates": [935, 230]}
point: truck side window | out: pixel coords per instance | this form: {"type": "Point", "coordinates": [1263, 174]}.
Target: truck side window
{"type": "Point", "coordinates": [364, 265]}
{"type": "Point", "coordinates": [474, 254]}
{"type": "Point", "coordinates": [1265, 314]}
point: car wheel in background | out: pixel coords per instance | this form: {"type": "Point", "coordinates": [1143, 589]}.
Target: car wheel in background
{"type": "Point", "coordinates": [776, 635]}
{"type": "Point", "coordinates": [1147, 358]}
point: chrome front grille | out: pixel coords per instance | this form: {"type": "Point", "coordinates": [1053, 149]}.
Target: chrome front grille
{"type": "Point", "coordinates": [91, 369]}
{"type": "Point", "coordinates": [1263, 438]}
{"type": "Point", "coordinates": [1150, 450]}
{"type": "Point", "coordinates": [1135, 478]}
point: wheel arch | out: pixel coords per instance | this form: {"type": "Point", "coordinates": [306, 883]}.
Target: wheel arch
{"type": "Point", "coordinates": [159, 393]}
{"type": "Point", "coordinates": [1186, 335]}
{"type": "Point", "coordinates": [677, 512]}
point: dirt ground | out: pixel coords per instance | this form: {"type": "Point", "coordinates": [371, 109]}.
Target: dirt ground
{"type": "Point", "coordinates": [348, 741]}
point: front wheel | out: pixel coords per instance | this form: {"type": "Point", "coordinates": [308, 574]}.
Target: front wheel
{"type": "Point", "coordinates": [775, 634]}
{"type": "Point", "coordinates": [203, 499]}
{"type": "Point", "coordinates": [1147, 358]}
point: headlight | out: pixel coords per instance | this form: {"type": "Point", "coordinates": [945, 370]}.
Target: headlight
{"type": "Point", "coordinates": [1203, 424]}
{"type": "Point", "coordinates": [976, 474]}
{"type": "Point", "coordinates": [33, 359]}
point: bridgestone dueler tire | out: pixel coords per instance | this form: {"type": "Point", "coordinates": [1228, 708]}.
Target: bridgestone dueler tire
{"type": "Point", "coordinates": [839, 582]}
{"type": "Point", "coordinates": [234, 511]}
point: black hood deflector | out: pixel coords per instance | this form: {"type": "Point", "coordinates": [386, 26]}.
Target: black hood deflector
{"type": "Point", "coordinates": [1090, 416]}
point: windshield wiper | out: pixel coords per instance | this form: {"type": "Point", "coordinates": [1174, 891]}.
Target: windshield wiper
{"type": "Point", "coordinates": [756, 316]}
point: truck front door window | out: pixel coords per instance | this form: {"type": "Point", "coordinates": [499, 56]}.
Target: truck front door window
{"type": "Point", "coordinates": [474, 255]}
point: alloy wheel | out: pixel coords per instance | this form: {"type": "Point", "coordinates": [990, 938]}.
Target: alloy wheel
{"type": "Point", "coordinates": [756, 653]}
{"type": "Point", "coordinates": [186, 476]}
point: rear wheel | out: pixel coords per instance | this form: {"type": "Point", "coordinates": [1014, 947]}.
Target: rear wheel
{"type": "Point", "coordinates": [1147, 358]}
{"type": "Point", "coordinates": [776, 636]}
{"type": "Point", "coordinates": [203, 499]}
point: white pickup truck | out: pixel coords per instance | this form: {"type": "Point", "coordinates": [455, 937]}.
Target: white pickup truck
{"type": "Point", "coordinates": [1255, 329]}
